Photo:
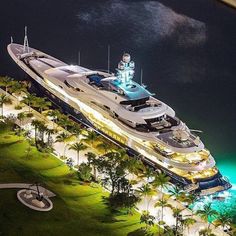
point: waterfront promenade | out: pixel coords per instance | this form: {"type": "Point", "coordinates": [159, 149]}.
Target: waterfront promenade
{"type": "Point", "coordinates": [155, 211]}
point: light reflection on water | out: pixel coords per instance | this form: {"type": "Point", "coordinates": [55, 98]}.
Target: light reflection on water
{"type": "Point", "coordinates": [223, 201]}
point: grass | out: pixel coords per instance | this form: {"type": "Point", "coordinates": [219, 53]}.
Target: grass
{"type": "Point", "coordinates": [78, 209]}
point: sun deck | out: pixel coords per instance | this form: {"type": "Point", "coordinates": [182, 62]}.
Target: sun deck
{"type": "Point", "coordinates": [169, 138]}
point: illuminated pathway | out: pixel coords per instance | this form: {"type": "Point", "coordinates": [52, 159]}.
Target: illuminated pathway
{"type": "Point", "coordinates": [59, 150]}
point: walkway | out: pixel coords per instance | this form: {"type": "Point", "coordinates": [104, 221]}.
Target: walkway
{"type": "Point", "coordinates": [43, 190]}
{"type": "Point", "coordinates": [59, 150]}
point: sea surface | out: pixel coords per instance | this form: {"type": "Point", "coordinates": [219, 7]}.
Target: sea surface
{"type": "Point", "coordinates": [186, 49]}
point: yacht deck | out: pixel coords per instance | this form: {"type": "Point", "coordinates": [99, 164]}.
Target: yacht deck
{"type": "Point", "coordinates": [169, 138]}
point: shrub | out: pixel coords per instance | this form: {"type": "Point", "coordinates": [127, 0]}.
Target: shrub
{"type": "Point", "coordinates": [84, 172]}
{"type": "Point", "coordinates": [29, 115]}
{"type": "Point", "coordinates": [123, 200]}
{"type": "Point", "coordinates": [63, 158]}
{"type": "Point", "coordinates": [18, 107]}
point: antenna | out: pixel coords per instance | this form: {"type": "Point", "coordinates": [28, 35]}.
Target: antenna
{"type": "Point", "coordinates": [196, 130]}
{"type": "Point", "coordinates": [108, 58]}
{"type": "Point", "coordinates": [141, 76]}
{"type": "Point", "coordinates": [26, 42]}
{"type": "Point", "coordinates": [11, 39]}
{"type": "Point", "coordinates": [79, 58]}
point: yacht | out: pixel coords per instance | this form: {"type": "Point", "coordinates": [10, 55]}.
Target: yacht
{"type": "Point", "coordinates": [124, 111]}
{"type": "Point", "coordinates": [231, 3]}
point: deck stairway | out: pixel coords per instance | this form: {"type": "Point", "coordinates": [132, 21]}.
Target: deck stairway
{"type": "Point", "coordinates": [191, 187]}
{"type": "Point", "coordinates": [209, 191]}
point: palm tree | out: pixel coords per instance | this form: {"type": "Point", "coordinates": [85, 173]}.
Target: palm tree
{"type": "Point", "coordinates": [206, 213]}
{"type": "Point", "coordinates": [223, 220]}
{"type": "Point", "coordinates": [161, 180]}
{"type": "Point", "coordinates": [147, 219]}
{"type": "Point", "coordinates": [63, 138]}
{"type": "Point", "coordinates": [187, 222]}
{"type": "Point", "coordinates": [65, 121]}
{"type": "Point", "coordinates": [91, 157]}
{"type": "Point", "coordinates": [162, 203]}
{"type": "Point", "coordinates": [55, 115]}
{"type": "Point", "coordinates": [21, 116]}
{"type": "Point", "coordinates": [42, 128]}
{"type": "Point", "coordinates": [190, 198]}
{"type": "Point", "coordinates": [4, 100]}
{"type": "Point", "coordinates": [78, 147]}
{"type": "Point", "coordinates": [105, 146]}
{"type": "Point", "coordinates": [147, 192]}
{"type": "Point", "coordinates": [91, 161]}
{"type": "Point", "coordinates": [136, 168]}
{"type": "Point", "coordinates": [177, 215]}
{"type": "Point", "coordinates": [122, 153]}
{"type": "Point", "coordinates": [49, 132]}
{"type": "Point", "coordinates": [76, 130]}
{"type": "Point", "coordinates": [176, 192]}
{"type": "Point", "coordinates": [30, 99]}
{"type": "Point", "coordinates": [17, 88]}
{"type": "Point", "coordinates": [91, 137]}
{"type": "Point", "coordinates": [180, 195]}
{"type": "Point", "coordinates": [148, 173]}
{"type": "Point", "coordinates": [36, 124]}
{"type": "Point", "coordinates": [41, 104]}
{"type": "Point", "coordinates": [6, 82]}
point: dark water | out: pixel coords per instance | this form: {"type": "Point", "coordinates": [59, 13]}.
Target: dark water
{"type": "Point", "coordinates": [186, 48]}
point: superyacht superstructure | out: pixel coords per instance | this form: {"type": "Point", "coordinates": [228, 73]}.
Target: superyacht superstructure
{"type": "Point", "coordinates": [126, 112]}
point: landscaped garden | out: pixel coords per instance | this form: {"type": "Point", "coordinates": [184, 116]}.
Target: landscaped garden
{"type": "Point", "coordinates": [79, 208]}
{"type": "Point", "coordinates": [82, 206]}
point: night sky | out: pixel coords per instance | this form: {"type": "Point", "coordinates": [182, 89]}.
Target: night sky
{"type": "Point", "coordinates": [186, 48]}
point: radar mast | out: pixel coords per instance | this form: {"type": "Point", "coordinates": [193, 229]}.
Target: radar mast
{"type": "Point", "coordinates": [125, 70]}
{"type": "Point", "coordinates": [26, 42]}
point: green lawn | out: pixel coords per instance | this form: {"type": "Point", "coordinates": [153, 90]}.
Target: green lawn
{"type": "Point", "coordinates": [78, 209]}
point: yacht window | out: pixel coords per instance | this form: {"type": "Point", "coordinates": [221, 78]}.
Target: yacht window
{"type": "Point", "coordinates": [67, 84]}
{"type": "Point", "coordinates": [107, 107]}
{"type": "Point", "coordinates": [156, 119]}
{"type": "Point", "coordinates": [135, 102]}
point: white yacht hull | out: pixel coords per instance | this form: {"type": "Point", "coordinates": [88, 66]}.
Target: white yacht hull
{"type": "Point", "coordinates": [126, 139]}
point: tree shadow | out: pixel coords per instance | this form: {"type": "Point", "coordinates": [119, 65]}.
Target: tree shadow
{"type": "Point", "coordinates": [3, 145]}
{"type": "Point", "coordinates": [108, 218]}
{"type": "Point", "coordinates": [140, 232]}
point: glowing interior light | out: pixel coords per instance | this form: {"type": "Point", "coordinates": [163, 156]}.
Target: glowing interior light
{"type": "Point", "coordinates": [85, 109]}
{"type": "Point", "coordinates": [142, 147]}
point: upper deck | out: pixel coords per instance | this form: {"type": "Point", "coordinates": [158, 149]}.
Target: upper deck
{"type": "Point", "coordinates": [130, 102]}
{"type": "Point", "coordinates": [102, 81]}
